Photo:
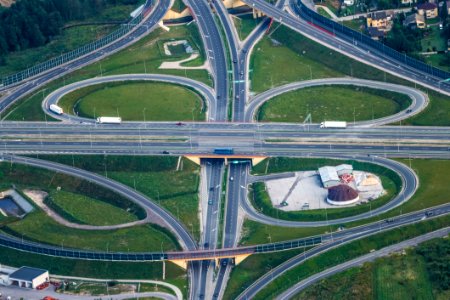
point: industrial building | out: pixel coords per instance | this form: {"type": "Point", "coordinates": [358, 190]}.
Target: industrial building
{"type": "Point", "coordinates": [28, 277]}
{"type": "Point", "coordinates": [342, 195]}
{"type": "Point", "coordinates": [329, 176]}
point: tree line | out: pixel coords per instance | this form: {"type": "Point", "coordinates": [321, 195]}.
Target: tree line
{"type": "Point", "coordinates": [33, 23]}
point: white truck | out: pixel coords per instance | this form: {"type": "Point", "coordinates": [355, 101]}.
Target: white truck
{"type": "Point", "coordinates": [56, 109]}
{"type": "Point", "coordinates": [109, 120]}
{"type": "Point", "coordinates": [333, 124]}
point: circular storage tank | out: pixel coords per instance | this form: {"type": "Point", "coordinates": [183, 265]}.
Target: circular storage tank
{"type": "Point", "coordinates": [342, 195]}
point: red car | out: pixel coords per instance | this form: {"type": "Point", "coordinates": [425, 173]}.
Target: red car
{"type": "Point", "coordinates": [42, 286]}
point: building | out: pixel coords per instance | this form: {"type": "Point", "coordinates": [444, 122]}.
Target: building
{"type": "Point", "coordinates": [28, 277]}
{"type": "Point", "coordinates": [342, 195]}
{"type": "Point", "coordinates": [430, 10]}
{"type": "Point", "coordinates": [415, 21]}
{"type": "Point", "coordinates": [349, 2]}
{"type": "Point", "coordinates": [377, 20]}
{"type": "Point", "coordinates": [344, 169]}
{"type": "Point", "coordinates": [329, 176]}
{"type": "Point", "coordinates": [448, 7]}
{"type": "Point", "coordinates": [404, 2]}
{"type": "Point", "coordinates": [375, 33]}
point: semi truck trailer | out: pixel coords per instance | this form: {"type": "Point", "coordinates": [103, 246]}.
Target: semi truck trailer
{"type": "Point", "coordinates": [333, 124]}
{"type": "Point", "coordinates": [109, 120]}
{"type": "Point", "coordinates": [56, 109]}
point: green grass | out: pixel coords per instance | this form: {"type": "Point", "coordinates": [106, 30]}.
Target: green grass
{"type": "Point", "coordinates": [70, 39]}
{"type": "Point", "coordinates": [155, 177]}
{"type": "Point", "coordinates": [347, 252]}
{"type": "Point", "coordinates": [432, 191]}
{"type": "Point", "coordinates": [356, 24]}
{"type": "Point", "coordinates": [294, 57]}
{"type": "Point", "coordinates": [145, 56]}
{"type": "Point", "coordinates": [96, 269]}
{"type": "Point", "coordinates": [90, 211]}
{"type": "Point", "coordinates": [37, 226]}
{"type": "Point", "coordinates": [349, 103]}
{"type": "Point", "coordinates": [355, 283]}
{"type": "Point", "coordinates": [252, 268]}
{"type": "Point", "coordinates": [245, 24]}
{"type": "Point", "coordinates": [298, 58]}
{"type": "Point", "coordinates": [402, 278]}
{"type": "Point", "coordinates": [323, 12]}
{"type": "Point", "coordinates": [134, 101]}
{"type": "Point", "coordinates": [440, 60]}
{"type": "Point", "coordinates": [434, 41]}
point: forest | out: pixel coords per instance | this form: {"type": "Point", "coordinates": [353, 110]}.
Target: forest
{"type": "Point", "coordinates": [33, 23]}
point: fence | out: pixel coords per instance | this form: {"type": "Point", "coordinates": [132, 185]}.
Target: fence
{"type": "Point", "coordinates": [357, 38]}
{"type": "Point", "coordinates": [74, 54]}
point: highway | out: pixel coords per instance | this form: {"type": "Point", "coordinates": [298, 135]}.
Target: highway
{"type": "Point", "coordinates": [365, 141]}
{"type": "Point", "coordinates": [338, 239]}
{"type": "Point", "coordinates": [349, 48]}
{"type": "Point", "coordinates": [202, 89]}
{"type": "Point", "coordinates": [215, 52]}
{"type": "Point", "coordinates": [419, 100]}
{"type": "Point", "coordinates": [297, 288]}
{"type": "Point", "coordinates": [150, 23]}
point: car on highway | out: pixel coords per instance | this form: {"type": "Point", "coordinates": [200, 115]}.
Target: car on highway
{"type": "Point", "coordinates": [165, 152]}
{"type": "Point", "coordinates": [210, 202]}
{"type": "Point", "coordinates": [179, 124]}
{"type": "Point", "coordinates": [231, 178]}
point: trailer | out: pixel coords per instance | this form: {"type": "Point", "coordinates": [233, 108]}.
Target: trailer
{"type": "Point", "coordinates": [333, 124]}
{"type": "Point", "coordinates": [56, 109]}
{"type": "Point", "coordinates": [224, 151]}
{"type": "Point", "coordinates": [109, 120]}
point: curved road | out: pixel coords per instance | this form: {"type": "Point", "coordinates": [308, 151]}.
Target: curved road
{"type": "Point", "coordinates": [205, 91]}
{"type": "Point", "coordinates": [297, 288]}
{"type": "Point", "coordinates": [410, 183]}
{"type": "Point", "coordinates": [419, 99]}
{"type": "Point", "coordinates": [151, 208]}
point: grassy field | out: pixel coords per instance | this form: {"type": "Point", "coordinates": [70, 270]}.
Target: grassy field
{"type": "Point", "coordinates": [349, 103]}
{"type": "Point", "coordinates": [136, 101]}
{"type": "Point", "coordinates": [96, 269]}
{"type": "Point", "coordinates": [75, 35]}
{"type": "Point", "coordinates": [37, 226]}
{"type": "Point", "coordinates": [347, 252]}
{"type": "Point", "coordinates": [144, 56]}
{"type": "Point", "coordinates": [252, 268]}
{"type": "Point", "coordinates": [155, 177]}
{"type": "Point", "coordinates": [245, 24]}
{"type": "Point", "coordinates": [393, 277]}
{"type": "Point", "coordinates": [432, 191]}
{"type": "Point", "coordinates": [86, 210]}
{"type": "Point", "coordinates": [289, 57]}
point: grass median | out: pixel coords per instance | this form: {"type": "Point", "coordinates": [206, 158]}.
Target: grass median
{"type": "Point", "coordinates": [136, 101]}
{"type": "Point", "coordinates": [175, 189]}
{"type": "Point", "coordinates": [432, 191]}
{"type": "Point", "coordinates": [340, 102]}
{"type": "Point", "coordinates": [347, 252]}
{"type": "Point", "coordinates": [286, 56]}
{"type": "Point", "coordinates": [145, 56]}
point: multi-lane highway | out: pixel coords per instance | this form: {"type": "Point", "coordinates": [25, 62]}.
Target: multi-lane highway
{"type": "Point", "coordinates": [354, 50]}
{"type": "Point", "coordinates": [363, 141]}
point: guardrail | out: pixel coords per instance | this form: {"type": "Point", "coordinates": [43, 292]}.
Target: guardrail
{"type": "Point", "coordinates": [359, 38]}
{"type": "Point", "coordinates": [77, 53]}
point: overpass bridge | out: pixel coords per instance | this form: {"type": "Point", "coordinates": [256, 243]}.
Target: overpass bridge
{"type": "Point", "coordinates": [229, 158]}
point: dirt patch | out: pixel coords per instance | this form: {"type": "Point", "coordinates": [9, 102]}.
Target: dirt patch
{"type": "Point", "coordinates": [36, 195]}
{"type": "Point", "coordinates": [7, 3]}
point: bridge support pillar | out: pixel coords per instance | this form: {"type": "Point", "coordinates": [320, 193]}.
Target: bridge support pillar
{"type": "Point", "coordinates": [195, 159]}
{"type": "Point", "coordinates": [257, 14]}
{"type": "Point", "coordinates": [257, 160]}
{"type": "Point", "coordinates": [180, 262]}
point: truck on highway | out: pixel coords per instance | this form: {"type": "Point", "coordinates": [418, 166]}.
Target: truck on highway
{"type": "Point", "coordinates": [333, 124]}
{"type": "Point", "coordinates": [109, 120]}
{"type": "Point", "coordinates": [56, 109]}
{"type": "Point", "coordinates": [226, 151]}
